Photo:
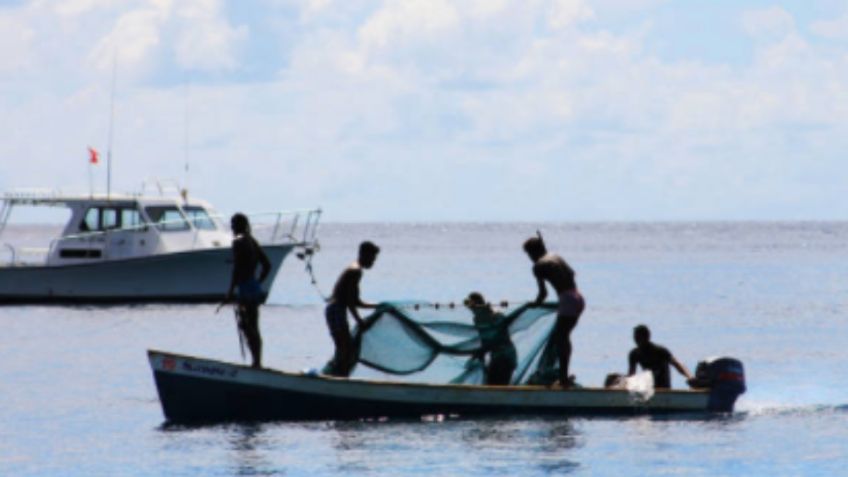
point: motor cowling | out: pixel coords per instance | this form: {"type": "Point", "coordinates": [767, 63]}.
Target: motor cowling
{"type": "Point", "coordinates": [724, 377]}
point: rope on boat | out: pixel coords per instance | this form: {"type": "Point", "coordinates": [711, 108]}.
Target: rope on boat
{"type": "Point", "coordinates": [309, 252]}
{"type": "Point", "coordinates": [459, 304]}
{"type": "Point", "coordinates": [306, 255]}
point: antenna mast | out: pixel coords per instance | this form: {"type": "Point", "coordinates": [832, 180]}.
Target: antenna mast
{"type": "Point", "coordinates": [185, 137]}
{"type": "Point", "coordinates": [111, 128]}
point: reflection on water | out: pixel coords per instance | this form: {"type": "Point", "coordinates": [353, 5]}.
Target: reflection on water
{"type": "Point", "coordinates": [486, 445]}
{"type": "Point", "coordinates": [490, 432]}
{"type": "Point", "coordinates": [559, 439]}
{"type": "Point", "coordinates": [548, 443]}
{"type": "Point", "coordinates": [248, 446]}
{"type": "Point", "coordinates": [461, 446]}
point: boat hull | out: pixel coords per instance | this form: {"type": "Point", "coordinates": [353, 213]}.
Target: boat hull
{"type": "Point", "coordinates": [201, 390]}
{"type": "Point", "coordinates": [197, 276]}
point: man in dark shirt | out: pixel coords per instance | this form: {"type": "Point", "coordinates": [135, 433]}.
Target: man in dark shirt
{"type": "Point", "coordinates": [551, 268]}
{"type": "Point", "coordinates": [653, 357]}
{"type": "Point", "coordinates": [247, 256]}
{"type": "Point", "coordinates": [494, 340]}
{"type": "Point", "coordinates": [346, 298]}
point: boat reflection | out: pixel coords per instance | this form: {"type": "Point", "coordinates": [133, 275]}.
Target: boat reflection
{"type": "Point", "coordinates": [249, 446]}
{"type": "Point", "coordinates": [487, 445]}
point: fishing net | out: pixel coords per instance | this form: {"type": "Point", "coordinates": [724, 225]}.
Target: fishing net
{"type": "Point", "coordinates": [423, 343]}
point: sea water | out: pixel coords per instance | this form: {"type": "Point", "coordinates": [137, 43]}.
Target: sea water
{"type": "Point", "coordinates": [77, 396]}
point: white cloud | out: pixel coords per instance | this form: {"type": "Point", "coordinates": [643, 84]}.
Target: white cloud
{"type": "Point", "coordinates": [195, 32]}
{"type": "Point", "coordinates": [133, 40]}
{"type": "Point", "coordinates": [772, 22]}
{"type": "Point", "coordinates": [16, 47]}
{"type": "Point", "coordinates": [565, 13]}
{"type": "Point", "coordinates": [409, 22]}
{"type": "Point", "coordinates": [424, 101]}
{"type": "Point", "coordinates": [836, 28]}
{"type": "Point", "coordinates": [786, 54]}
{"type": "Point", "coordinates": [78, 7]}
{"type": "Point", "coordinates": [487, 8]}
{"type": "Point", "coordinates": [314, 8]}
{"type": "Point", "coordinates": [206, 41]}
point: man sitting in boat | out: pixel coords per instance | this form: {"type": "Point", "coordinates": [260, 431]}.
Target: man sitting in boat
{"type": "Point", "coordinates": [495, 340]}
{"type": "Point", "coordinates": [247, 256]}
{"type": "Point", "coordinates": [551, 268]}
{"type": "Point", "coordinates": [653, 357]}
{"type": "Point", "coordinates": [346, 297]}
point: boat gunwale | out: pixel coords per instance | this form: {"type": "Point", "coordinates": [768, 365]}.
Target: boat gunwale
{"type": "Point", "coordinates": [151, 257]}
{"type": "Point", "coordinates": [151, 353]}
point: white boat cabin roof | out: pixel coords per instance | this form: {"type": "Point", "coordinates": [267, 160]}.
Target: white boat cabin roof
{"type": "Point", "coordinates": [98, 212]}
{"type": "Point", "coordinates": [58, 199]}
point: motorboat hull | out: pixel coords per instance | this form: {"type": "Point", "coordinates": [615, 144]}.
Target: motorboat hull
{"type": "Point", "coordinates": [195, 276]}
{"type": "Point", "coordinates": [202, 390]}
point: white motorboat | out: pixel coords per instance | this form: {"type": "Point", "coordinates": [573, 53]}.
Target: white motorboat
{"type": "Point", "coordinates": [138, 248]}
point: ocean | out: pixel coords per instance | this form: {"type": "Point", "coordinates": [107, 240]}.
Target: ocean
{"type": "Point", "coordinates": [77, 396]}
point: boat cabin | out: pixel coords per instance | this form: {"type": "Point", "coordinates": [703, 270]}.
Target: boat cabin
{"type": "Point", "coordinates": [122, 226]}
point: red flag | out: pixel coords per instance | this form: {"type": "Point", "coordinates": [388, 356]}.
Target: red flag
{"type": "Point", "coordinates": [93, 155]}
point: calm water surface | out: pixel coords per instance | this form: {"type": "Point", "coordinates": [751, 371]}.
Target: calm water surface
{"type": "Point", "coordinates": [77, 396]}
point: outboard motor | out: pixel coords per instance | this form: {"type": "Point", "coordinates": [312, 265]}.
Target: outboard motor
{"type": "Point", "coordinates": [725, 377]}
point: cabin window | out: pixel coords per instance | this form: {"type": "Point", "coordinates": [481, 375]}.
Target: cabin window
{"type": "Point", "coordinates": [167, 218]}
{"type": "Point", "coordinates": [109, 219]}
{"type": "Point", "coordinates": [91, 221]}
{"type": "Point", "coordinates": [199, 217]}
{"type": "Point", "coordinates": [98, 219]}
{"type": "Point", "coordinates": [131, 219]}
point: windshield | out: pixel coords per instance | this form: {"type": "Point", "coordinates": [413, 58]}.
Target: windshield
{"type": "Point", "coordinates": [100, 218]}
{"type": "Point", "coordinates": [199, 217]}
{"type": "Point", "coordinates": [167, 218]}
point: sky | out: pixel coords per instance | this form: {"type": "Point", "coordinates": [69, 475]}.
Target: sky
{"type": "Point", "coordinates": [431, 110]}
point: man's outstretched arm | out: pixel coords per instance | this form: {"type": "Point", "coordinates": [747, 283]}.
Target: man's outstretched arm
{"type": "Point", "coordinates": [680, 368]}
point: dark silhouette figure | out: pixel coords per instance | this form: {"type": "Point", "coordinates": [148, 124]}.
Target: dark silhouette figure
{"type": "Point", "coordinates": [551, 268]}
{"type": "Point", "coordinates": [653, 357]}
{"type": "Point", "coordinates": [495, 341]}
{"type": "Point", "coordinates": [247, 256]}
{"type": "Point", "coordinates": [346, 298]}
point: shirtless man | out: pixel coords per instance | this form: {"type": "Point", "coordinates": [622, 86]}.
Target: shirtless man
{"type": "Point", "coordinates": [346, 297]}
{"type": "Point", "coordinates": [247, 256]}
{"type": "Point", "coordinates": [653, 357]}
{"type": "Point", "coordinates": [551, 268]}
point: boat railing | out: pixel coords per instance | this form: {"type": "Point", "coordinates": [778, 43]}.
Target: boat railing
{"type": "Point", "coordinates": [165, 187]}
{"type": "Point", "coordinates": [299, 227]}
{"type": "Point", "coordinates": [296, 227]}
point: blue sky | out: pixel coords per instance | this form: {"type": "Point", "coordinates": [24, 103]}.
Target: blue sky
{"type": "Point", "coordinates": [439, 110]}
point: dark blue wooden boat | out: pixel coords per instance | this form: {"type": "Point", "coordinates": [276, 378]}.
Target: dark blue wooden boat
{"type": "Point", "coordinates": [195, 390]}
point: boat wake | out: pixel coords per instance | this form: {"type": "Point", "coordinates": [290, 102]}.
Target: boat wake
{"type": "Point", "coordinates": [775, 409]}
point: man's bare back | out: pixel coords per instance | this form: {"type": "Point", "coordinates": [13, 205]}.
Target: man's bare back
{"type": "Point", "coordinates": [553, 269]}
